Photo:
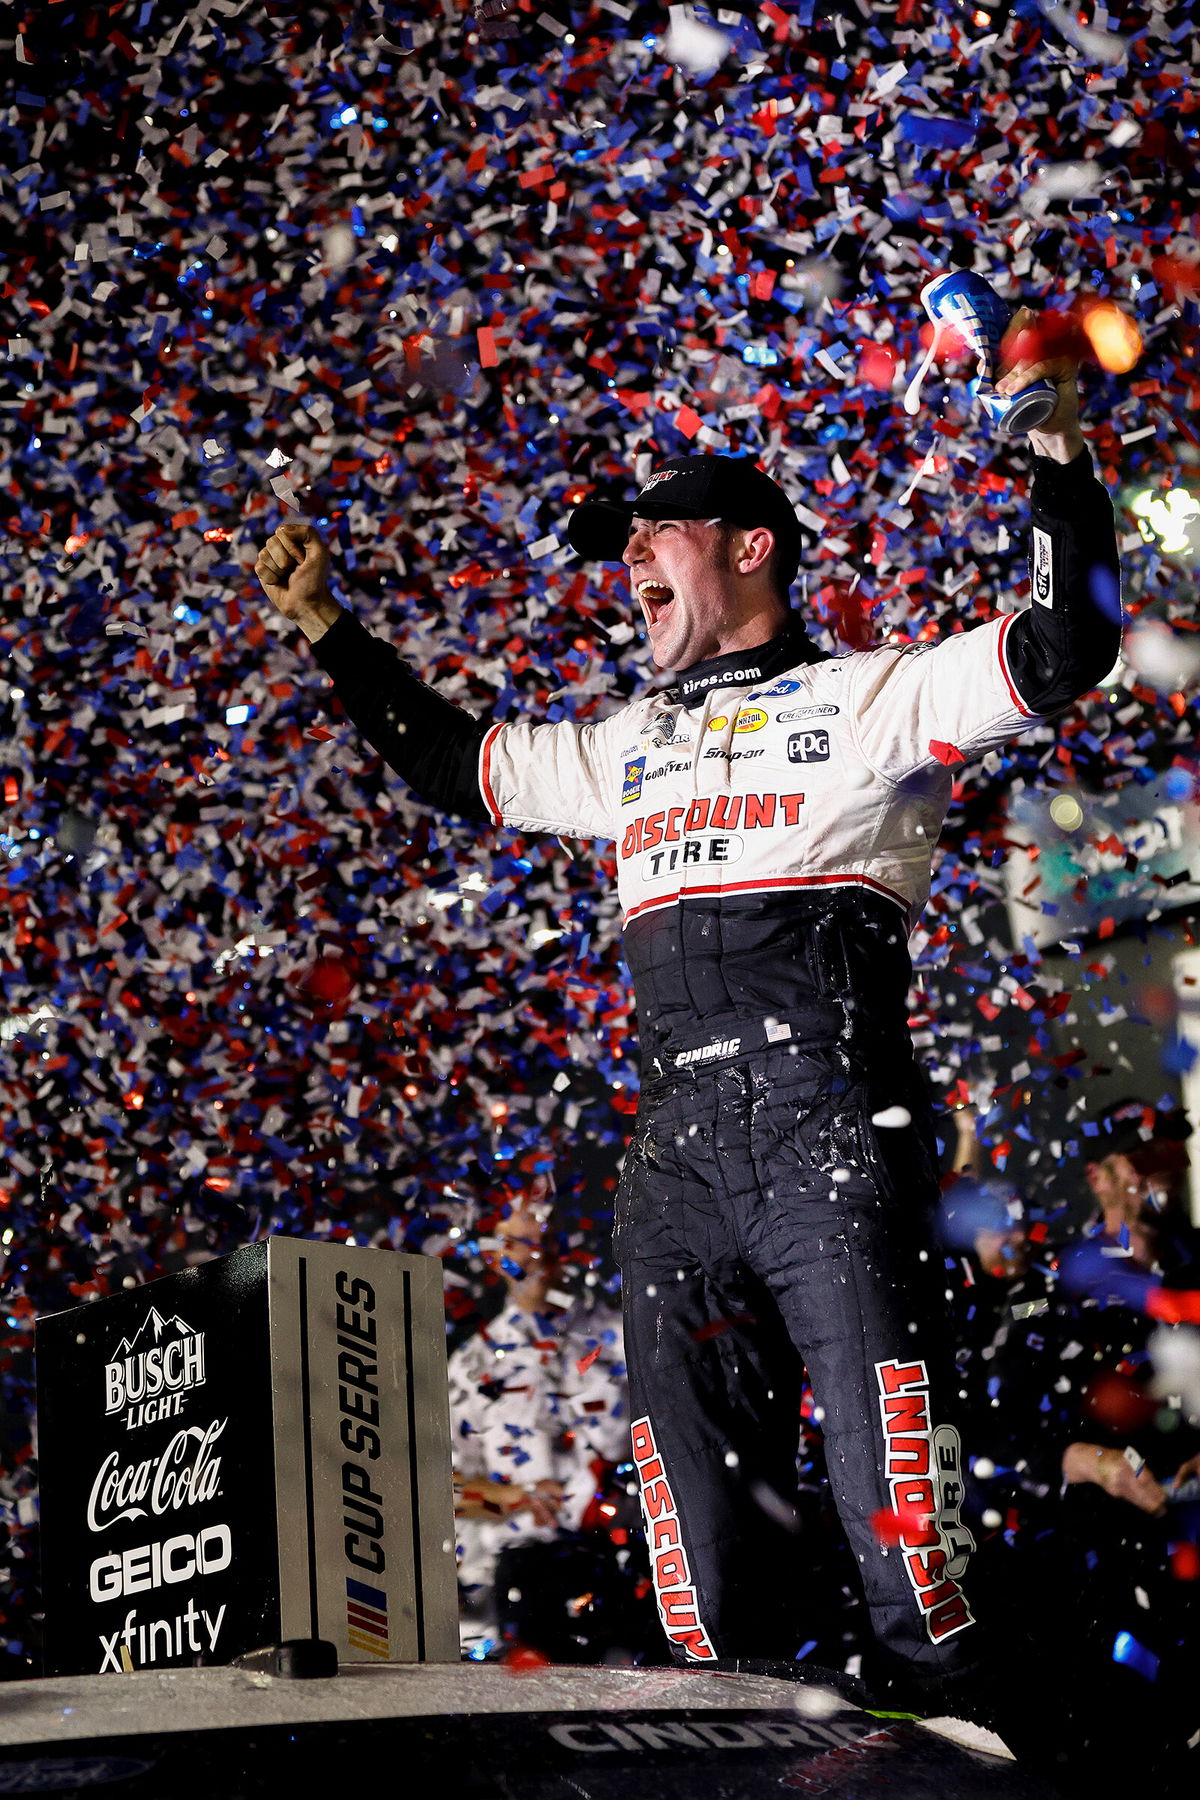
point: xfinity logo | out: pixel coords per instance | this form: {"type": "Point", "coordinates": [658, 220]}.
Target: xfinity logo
{"type": "Point", "coordinates": [808, 746]}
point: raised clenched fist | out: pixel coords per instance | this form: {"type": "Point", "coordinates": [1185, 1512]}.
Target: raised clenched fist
{"type": "Point", "coordinates": [293, 569]}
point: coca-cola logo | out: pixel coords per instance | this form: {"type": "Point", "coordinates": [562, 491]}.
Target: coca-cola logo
{"type": "Point", "coordinates": [186, 1473]}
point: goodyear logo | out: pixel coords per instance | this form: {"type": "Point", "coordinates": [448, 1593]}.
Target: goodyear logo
{"type": "Point", "coordinates": [751, 718]}
{"type": "Point", "coordinates": [632, 785]}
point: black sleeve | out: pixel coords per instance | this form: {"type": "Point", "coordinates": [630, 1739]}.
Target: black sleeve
{"type": "Point", "coordinates": [431, 744]}
{"type": "Point", "coordinates": [1071, 635]}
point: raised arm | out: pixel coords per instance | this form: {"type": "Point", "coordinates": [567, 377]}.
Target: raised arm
{"type": "Point", "coordinates": [431, 744]}
{"type": "Point", "coordinates": [1070, 637]}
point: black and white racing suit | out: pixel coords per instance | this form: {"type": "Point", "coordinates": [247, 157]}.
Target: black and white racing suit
{"type": "Point", "coordinates": [775, 816]}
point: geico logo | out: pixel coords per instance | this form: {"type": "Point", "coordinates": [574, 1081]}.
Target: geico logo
{"type": "Point", "coordinates": [753, 811]}
{"type": "Point", "coordinates": [752, 718]}
{"type": "Point", "coordinates": [692, 853]}
{"type": "Point", "coordinates": [159, 1565]}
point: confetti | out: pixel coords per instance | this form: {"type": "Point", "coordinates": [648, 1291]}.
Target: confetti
{"type": "Point", "coordinates": [466, 263]}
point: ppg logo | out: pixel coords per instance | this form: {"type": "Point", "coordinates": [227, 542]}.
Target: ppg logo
{"type": "Point", "coordinates": [808, 746]}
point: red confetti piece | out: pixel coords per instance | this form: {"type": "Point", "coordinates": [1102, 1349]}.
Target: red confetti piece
{"type": "Point", "coordinates": [688, 422]}
{"type": "Point", "coordinates": [487, 347]}
{"type": "Point", "coordinates": [1174, 1306]}
{"type": "Point", "coordinates": [948, 754]}
{"type": "Point", "coordinates": [1185, 1562]}
{"type": "Point", "coordinates": [891, 1524]}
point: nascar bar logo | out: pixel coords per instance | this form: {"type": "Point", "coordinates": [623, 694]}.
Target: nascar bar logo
{"type": "Point", "coordinates": [924, 1474]}
{"type": "Point", "coordinates": [366, 1618]}
{"type": "Point", "coordinates": [151, 1372]}
{"type": "Point", "coordinates": [632, 787]}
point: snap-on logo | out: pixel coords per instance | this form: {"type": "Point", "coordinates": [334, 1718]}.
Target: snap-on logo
{"type": "Point", "coordinates": [808, 746]}
{"type": "Point", "coordinates": [751, 718]}
{"type": "Point", "coordinates": [923, 1466]}
{"type": "Point", "coordinates": [632, 785]}
{"type": "Point", "coordinates": [677, 1604]}
{"type": "Point", "coordinates": [659, 475]}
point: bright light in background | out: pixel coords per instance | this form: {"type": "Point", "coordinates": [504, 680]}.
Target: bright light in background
{"type": "Point", "coordinates": [1115, 339]}
{"type": "Point", "coordinates": [1169, 517]}
{"type": "Point", "coordinates": [1066, 812]}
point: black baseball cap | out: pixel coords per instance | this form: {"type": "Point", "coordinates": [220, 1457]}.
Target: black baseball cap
{"type": "Point", "coordinates": [693, 487]}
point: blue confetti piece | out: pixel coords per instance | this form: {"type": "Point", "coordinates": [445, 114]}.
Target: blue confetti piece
{"type": "Point", "coordinates": [1127, 1650]}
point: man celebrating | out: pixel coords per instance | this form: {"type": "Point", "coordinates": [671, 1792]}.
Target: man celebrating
{"type": "Point", "coordinates": [775, 815]}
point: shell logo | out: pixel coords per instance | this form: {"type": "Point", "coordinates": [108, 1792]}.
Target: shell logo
{"type": "Point", "coordinates": [719, 723]}
{"type": "Point", "coordinates": [752, 719]}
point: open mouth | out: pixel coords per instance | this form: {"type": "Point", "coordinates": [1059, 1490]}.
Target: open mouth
{"type": "Point", "coordinates": [657, 599]}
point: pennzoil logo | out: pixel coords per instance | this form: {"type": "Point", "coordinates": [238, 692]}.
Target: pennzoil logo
{"type": "Point", "coordinates": [751, 718]}
{"type": "Point", "coordinates": [631, 787]}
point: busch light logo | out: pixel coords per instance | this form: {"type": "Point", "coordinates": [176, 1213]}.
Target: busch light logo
{"type": "Point", "coordinates": [151, 1372]}
{"type": "Point", "coordinates": [809, 746]}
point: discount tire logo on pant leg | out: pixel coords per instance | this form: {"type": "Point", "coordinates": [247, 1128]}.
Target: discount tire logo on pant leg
{"type": "Point", "coordinates": [677, 1604]}
{"type": "Point", "coordinates": [923, 1467]}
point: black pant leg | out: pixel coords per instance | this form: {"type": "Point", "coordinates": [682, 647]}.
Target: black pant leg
{"type": "Point", "coordinates": [839, 1239]}
{"type": "Point", "coordinates": [714, 1403]}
